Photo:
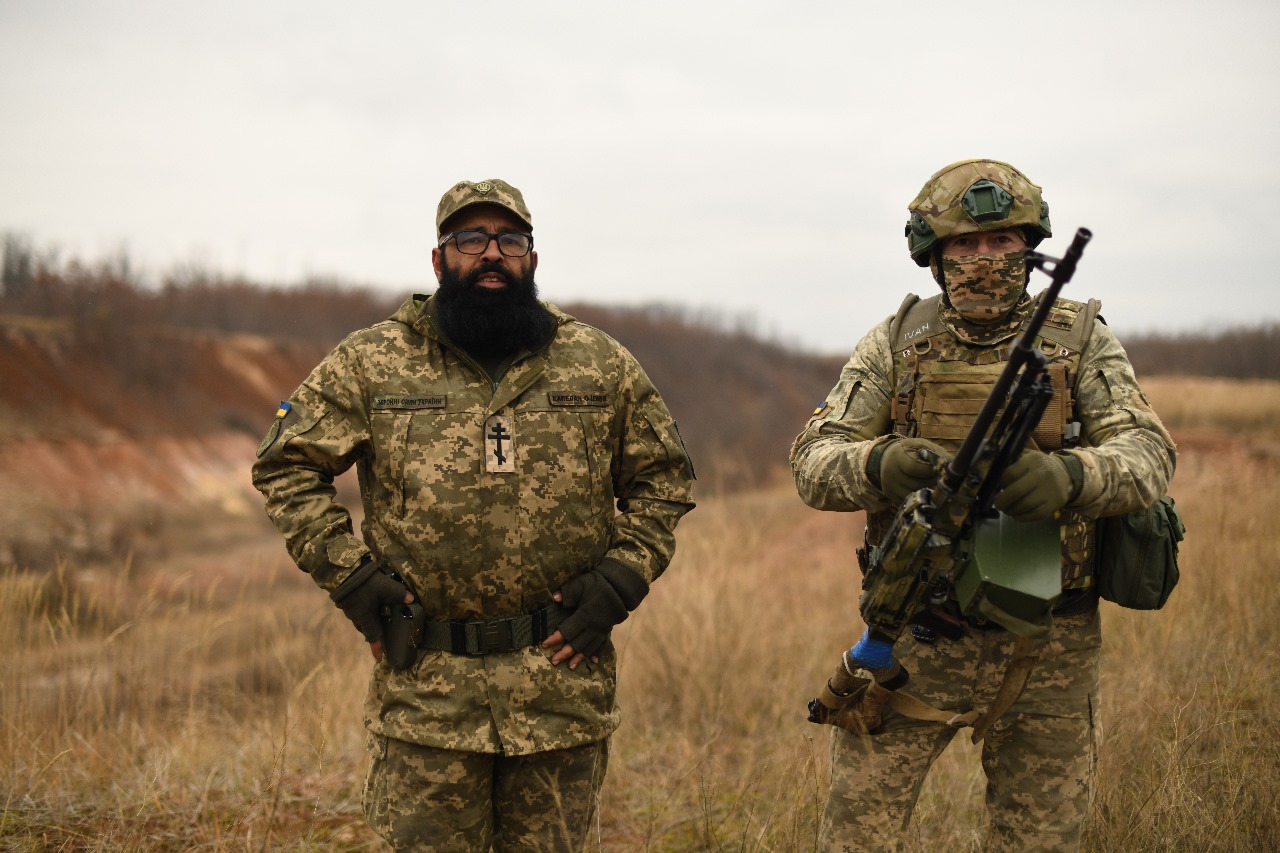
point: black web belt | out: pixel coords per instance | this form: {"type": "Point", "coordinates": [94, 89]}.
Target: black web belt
{"type": "Point", "coordinates": [1074, 602]}
{"type": "Point", "coordinates": [500, 635]}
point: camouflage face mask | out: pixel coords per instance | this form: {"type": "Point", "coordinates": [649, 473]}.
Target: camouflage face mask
{"type": "Point", "coordinates": [982, 288]}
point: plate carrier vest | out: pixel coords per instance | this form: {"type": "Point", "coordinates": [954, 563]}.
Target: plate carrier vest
{"type": "Point", "coordinates": [941, 382]}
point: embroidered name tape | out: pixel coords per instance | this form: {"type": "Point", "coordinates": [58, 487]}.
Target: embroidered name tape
{"type": "Point", "coordinates": [430, 401]}
{"type": "Point", "coordinates": [563, 398]}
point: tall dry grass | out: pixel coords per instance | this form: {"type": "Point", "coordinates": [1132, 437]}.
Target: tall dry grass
{"type": "Point", "coordinates": [1247, 408]}
{"type": "Point", "coordinates": [213, 702]}
{"type": "Point", "coordinates": [170, 712]}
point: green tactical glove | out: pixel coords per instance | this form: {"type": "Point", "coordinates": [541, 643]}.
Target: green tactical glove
{"type": "Point", "coordinates": [363, 595]}
{"type": "Point", "coordinates": [599, 599]}
{"type": "Point", "coordinates": [1034, 487]}
{"type": "Point", "coordinates": [903, 470]}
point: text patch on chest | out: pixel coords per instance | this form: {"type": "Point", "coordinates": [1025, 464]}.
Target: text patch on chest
{"type": "Point", "coordinates": [424, 401]}
{"type": "Point", "coordinates": [577, 398]}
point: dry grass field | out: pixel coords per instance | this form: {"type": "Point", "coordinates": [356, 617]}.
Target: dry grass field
{"type": "Point", "coordinates": [208, 697]}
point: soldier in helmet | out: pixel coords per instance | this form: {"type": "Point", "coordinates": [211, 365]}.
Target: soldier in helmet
{"type": "Point", "coordinates": [902, 406]}
{"type": "Point", "coordinates": [521, 480]}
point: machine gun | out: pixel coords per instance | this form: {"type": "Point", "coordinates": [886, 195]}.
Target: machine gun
{"type": "Point", "coordinates": [930, 548]}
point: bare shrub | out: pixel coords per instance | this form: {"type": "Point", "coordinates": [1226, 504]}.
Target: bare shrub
{"type": "Point", "coordinates": [1245, 352]}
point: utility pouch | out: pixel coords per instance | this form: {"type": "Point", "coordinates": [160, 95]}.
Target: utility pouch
{"type": "Point", "coordinates": [402, 628]}
{"type": "Point", "coordinates": [1138, 555]}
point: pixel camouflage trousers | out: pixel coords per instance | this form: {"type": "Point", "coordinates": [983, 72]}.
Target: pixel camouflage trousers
{"type": "Point", "coordinates": [1039, 758]}
{"type": "Point", "coordinates": [421, 798]}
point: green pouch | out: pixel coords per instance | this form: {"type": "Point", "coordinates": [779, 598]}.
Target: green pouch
{"type": "Point", "coordinates": [1138, 555]}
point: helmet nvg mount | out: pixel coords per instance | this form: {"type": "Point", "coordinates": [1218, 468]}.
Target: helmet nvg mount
{"type": "Point", "coordinates": [975, 195]}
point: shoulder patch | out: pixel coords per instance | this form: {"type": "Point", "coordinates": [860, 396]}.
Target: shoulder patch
{"type": "Point", "coordinates": [274, 431]}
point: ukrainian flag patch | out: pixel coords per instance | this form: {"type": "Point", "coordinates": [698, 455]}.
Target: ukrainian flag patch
{"type": "Point", "coordinates": [274, 432]}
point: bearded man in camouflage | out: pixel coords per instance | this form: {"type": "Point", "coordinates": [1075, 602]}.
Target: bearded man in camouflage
{"type": "Point", "coordinates": [906, 400]}
{"type": "Point", "coordinates": [522, 480]}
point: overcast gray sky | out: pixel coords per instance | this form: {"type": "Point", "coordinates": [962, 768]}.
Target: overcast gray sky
{"type": "Point", "coordinates": [749, 158]}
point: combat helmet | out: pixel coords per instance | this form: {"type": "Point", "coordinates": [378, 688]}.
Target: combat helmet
{"type": "Point", "coordinates": [974, 195]}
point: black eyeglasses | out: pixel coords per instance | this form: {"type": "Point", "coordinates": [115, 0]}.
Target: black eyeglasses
{"type": "Point", "coordinates": [510, 243]}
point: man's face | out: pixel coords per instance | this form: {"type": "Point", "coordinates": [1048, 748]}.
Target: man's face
{"type": "Point", "coordinates": [996, 242]}
{"type": "Point", "coordinates": [491, 269]}
{"type": "Point", "coordinates": [488, 303]}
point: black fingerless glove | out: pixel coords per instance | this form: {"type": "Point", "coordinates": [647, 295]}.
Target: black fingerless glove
{"type": "Point", "coordinates": [599, 599]}
{"type": "Point", "coordinates": [364, 594]}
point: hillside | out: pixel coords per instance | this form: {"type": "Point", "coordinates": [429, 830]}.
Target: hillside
{"type": "Point", "coordinates": [108, 428]}
{"type": "Point", "coordinates": [739, 400]}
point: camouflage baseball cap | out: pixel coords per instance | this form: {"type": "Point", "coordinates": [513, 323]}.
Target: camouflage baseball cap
{"type": "Point", "coordinates": [493, 191]}
{"type": "Point", "coordinates": [975, 195]}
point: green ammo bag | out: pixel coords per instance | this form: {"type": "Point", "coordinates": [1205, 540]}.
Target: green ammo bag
{"type": "Point", "coordinates": [1138, 555]}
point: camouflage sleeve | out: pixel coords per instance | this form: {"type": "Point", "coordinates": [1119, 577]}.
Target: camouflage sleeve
{"type": "Point", "coordinates": [1127, 454]}
{"type": "Point", "coordinates": [652, 479]}
{"type": "Point", "coordinates": [324, 431]}
{"type": "Point", "coordinates": [829, 457]}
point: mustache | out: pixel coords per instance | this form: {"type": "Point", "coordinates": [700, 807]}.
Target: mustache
{"type": "Point", "coordinates": [488, 268]}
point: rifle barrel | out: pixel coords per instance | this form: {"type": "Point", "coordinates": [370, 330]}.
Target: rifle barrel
{"type": "Point", "coordinates": [1061, 273]}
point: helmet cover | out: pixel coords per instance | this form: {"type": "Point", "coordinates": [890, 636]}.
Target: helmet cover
{"type": "Point", "coordinates": [975, 195]}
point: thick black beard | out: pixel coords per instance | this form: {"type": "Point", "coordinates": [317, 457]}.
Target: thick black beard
{"type": "Point", "coordinates": [492, 322]}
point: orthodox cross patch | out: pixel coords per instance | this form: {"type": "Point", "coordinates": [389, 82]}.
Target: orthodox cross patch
{"type": "Point", "coordinates": [499, 445]}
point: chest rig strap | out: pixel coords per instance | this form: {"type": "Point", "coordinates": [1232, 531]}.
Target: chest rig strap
{"type": "Point", "coordinates": [921, 344]}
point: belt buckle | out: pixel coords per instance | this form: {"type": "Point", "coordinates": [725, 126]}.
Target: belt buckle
{"type": "Point", "coordinates": [495, 636]}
